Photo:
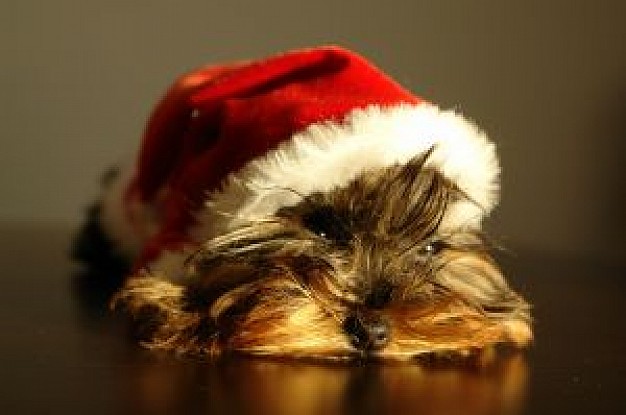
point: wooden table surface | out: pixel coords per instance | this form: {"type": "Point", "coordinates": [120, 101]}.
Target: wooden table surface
{"type": "Point", "coordinates": [63, 352]}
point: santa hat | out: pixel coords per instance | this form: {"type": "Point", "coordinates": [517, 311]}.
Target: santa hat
{"type": "Point", "coordinates": [232, 138]}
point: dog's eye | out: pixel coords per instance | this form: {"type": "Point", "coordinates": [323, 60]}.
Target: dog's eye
{"type": "Point", "coordinates": [432, 248]}
{"type": "Point", "coordinates": [324, 222]}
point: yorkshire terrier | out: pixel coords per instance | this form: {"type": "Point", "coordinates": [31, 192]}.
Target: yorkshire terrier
{"type": "Point", "coordinates": [370, 267]}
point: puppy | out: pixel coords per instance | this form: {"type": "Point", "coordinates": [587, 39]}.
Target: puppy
{"type": "Point", "coordinates": [308, 206]}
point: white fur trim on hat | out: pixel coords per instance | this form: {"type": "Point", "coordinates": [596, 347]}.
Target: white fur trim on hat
{"type": "Point", "coordinates": [128, 223]}
{"type": "Point", "coordinates": [330, 154]}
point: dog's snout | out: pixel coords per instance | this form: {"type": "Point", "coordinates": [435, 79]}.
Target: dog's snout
{"type": "Point", "coordinates": [367, 333]}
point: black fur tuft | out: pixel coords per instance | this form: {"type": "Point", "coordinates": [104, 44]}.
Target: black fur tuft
{"type": "Point", "coordinates": [95, 250]}
{"type": "Point", "coordinates": [92, 247]}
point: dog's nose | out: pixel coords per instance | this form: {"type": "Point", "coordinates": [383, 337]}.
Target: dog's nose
{"type": "Point", "coordinates": [367, 333]}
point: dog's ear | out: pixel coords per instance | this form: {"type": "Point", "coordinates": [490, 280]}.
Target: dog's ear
{"type": "Point", "coordinates": [420, 160]}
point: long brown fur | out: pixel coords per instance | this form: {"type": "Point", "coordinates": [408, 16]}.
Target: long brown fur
{"type": "Point", "coordinates": [324, 277]}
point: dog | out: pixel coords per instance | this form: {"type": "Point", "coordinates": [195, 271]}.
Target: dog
{"type": "Point", "coordinates": [342, 254]}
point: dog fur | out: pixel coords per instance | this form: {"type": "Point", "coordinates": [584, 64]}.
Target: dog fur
{"type": "Point", "coordinates": [362, 270]}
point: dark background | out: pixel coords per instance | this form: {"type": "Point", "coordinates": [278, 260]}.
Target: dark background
{"type": "Point", "coordinates": [546, 80]}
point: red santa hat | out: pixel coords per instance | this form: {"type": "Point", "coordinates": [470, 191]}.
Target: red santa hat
{"type": "Point", "coordinates": [232, 138]}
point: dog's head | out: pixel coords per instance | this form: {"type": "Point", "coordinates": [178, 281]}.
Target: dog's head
{"type": "Point", "coordinates": [364, 269]}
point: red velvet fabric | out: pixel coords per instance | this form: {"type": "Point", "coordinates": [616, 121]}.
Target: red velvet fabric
{"type": "Point", "coordinates": [214, 120]}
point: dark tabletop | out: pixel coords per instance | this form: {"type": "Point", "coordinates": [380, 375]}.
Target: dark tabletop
{"type": "Point", "coordinates": [63, 352]}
